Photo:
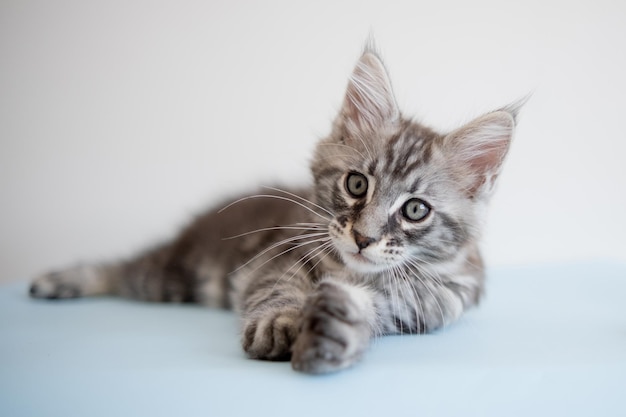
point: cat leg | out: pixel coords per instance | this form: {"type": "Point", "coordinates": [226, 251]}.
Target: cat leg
{"type": "Point", "coordinates": [78, 281]}
{"type": "Point", "coordinates": [272, 305]}
{"type": "Point", "coordinates": [337, 323]}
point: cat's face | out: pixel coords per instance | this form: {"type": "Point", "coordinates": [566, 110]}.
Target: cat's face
{"type": "Point", "coordinates": [401, 194]}
{"type": "Point", "coordinates": [393, 198]}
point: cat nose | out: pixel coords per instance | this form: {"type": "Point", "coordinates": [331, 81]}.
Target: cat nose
{"type": "Point", "coordinates": [361, 241]}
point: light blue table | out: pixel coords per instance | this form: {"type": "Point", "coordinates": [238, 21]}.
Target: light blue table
{"type": "Point", "coordinates": [547, 341]}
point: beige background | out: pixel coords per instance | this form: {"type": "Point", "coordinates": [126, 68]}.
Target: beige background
{"type": "Point", "coordinates": [120, 119]}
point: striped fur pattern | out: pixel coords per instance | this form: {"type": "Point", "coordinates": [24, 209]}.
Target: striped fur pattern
{"type": "Point", "coordinates": [384, 242]}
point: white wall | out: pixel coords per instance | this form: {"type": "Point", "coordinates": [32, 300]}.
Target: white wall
{"type": "Point", "coordinates": [120, 119]}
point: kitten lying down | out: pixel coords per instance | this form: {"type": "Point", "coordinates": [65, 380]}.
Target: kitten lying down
{"type": "Point", "coordinates": [384, 242]}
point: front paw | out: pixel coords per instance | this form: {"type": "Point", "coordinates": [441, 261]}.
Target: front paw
{"type": "Point", "coordinates": [333, 334]}
{"type": "Point", "coordinates": [270, 335]}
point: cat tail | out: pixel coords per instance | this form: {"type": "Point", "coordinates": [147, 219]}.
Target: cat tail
{"type": "Point", "coordinates": [77, 281]}
{"type": "Point", "coordinates": [151, 276]}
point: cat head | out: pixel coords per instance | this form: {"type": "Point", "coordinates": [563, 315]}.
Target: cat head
{"type": "Point", "coordinates": [400, 192]}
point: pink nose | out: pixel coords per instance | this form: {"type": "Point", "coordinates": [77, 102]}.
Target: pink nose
{"type": "Point", "coordinates": [361, 241]}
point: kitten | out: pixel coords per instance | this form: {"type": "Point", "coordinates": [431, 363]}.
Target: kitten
{"type": "Point", "coordinates": [384, 242]}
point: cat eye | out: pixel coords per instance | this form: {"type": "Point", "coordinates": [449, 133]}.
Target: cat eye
{"type": "Point", "coordinates": [415, 210]}
{"type": "Point", "coordinates": [356, 184]}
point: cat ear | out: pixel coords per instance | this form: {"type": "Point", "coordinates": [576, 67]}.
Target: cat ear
{"type": "Point", "coordinates": [369, 103]}
{"type": "Point", "coordinates": [477, 150]}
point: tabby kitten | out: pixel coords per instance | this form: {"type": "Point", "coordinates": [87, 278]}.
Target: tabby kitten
{"type": "Point", "coordinates": [384, 242]}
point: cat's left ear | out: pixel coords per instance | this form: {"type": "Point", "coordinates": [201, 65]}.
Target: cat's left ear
{"type": "Point", "coordinates": [369, 103]}
{"type": "Point", "coordinates": [476, 151]}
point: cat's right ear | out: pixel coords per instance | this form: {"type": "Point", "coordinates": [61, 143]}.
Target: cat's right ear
{"type": "Point", "coordinates": [369, 103]}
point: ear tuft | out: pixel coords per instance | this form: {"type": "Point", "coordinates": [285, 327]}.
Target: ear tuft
{"type": "Point", "coordinates": [514, 108]}
{"type": "Point", "coordinates": [369, 103]}
{"type": "Point", "coordinates": [370, 46]}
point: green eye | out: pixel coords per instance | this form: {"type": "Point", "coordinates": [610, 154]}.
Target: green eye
{"type": "Point", "coordinates": [415, 210]}
{"type": "Point", "coordinates": [356, 184]}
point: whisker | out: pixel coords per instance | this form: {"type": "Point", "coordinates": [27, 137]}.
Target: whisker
{"type": "Point", "coordinates": [299, 245]}
{"type": "Point", "coordinates": [398, 279]}
{"type": "Point", "coordinates": [328, 248]}
{"type": "Point", "coordinates": [436, 279]}
{"type": "Point", "coordinates": [301, 199]}
{"type": "Point", "coordinates": [278, 197]}
{"type": "Point", "coordinates": [417, 301]}
{"type": "Point", "coordinates": [387, 283]}
{"type": "Point", "coordinates": [395, 300]}
{"type": "Point", "coordinates": [419, 310]}
{"type": "Point", "coordinates": [277, 244]}
{"type": "Point", "coordinates": [410, 264]}
{"type": "Point", "coordinates": [304, 259]}
{"type": "Point", "coordinates": [419, 269]}
{"type": "Point", "coordinates": [310, 224]}
{"type": "Point", "coordinates": [265, 229]}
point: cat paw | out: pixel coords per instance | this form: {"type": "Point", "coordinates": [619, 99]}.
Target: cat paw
{"type": "Point", "coordinates": [55, 285]}
{"type": "Point", "coordinates": [333, 334]}
{"type": "Point", "coordinates": [270, 336]}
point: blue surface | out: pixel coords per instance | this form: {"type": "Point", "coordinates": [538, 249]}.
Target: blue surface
{"type": "Point", "coordinates": [547, 341]}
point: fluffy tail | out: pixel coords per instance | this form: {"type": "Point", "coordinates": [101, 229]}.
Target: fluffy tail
{"type": "Point", "coordinates": [153, 276]}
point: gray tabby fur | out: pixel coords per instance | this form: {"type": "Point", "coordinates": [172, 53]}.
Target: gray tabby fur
{"type": "Point", "coordinates": [317, 273]}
